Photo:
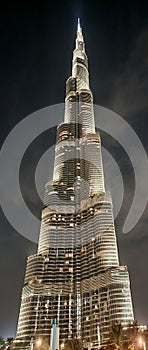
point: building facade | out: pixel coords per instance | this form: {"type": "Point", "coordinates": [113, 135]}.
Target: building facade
{"type": "Point", "coordinates": [75, 277]}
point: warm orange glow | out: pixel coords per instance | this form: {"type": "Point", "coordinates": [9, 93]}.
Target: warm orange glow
{"type": "Point", "coordinates": [39, 342]}
{"type": "Point", "coordinates": [140, 341]}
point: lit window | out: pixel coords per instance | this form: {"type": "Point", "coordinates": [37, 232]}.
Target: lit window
{"type": "Point", "coordinates": [70, 269]}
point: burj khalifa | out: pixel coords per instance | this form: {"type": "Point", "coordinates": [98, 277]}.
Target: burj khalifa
{"type": "Point", "coordinates": [75, 277]}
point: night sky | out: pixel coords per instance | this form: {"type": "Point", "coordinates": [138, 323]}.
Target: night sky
{"type": "Point", "coordinates": [37, 39]}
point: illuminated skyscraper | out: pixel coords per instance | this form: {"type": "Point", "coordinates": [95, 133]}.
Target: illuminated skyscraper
{"type": "Point", "coordinates": [75, 277]}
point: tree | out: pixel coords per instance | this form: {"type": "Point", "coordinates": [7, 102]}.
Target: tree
{"type": "Point", "coordinates": [116, 338]}
{"type": "Point", "coordinates": [108, 347]}
{"type": "Point", "coordinates": [73, 344]}
{"type": "Point", "coordinates": [2, 343]}
{"type": "Point", "coordinates": [9, 343]}
{"type": "Point", "coordinates": [131, 335]}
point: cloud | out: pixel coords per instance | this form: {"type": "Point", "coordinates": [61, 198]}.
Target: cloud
{"type": "Point", "coordinates": [130, 94]}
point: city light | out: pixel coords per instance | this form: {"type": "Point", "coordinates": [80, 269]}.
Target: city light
{"type": "Point", "coordinates": [142, 343]}
{"type": "Point", "coordinates": [39, 342]}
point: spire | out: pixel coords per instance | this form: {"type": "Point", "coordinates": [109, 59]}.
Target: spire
{"type": "Point", "coordinates": [79, 29]}
{"type": "Point", "coordinates": [79, 36]}
{"type": "Point", "coordinates": [79, 63]}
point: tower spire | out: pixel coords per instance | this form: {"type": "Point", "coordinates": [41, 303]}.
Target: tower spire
{"type": "Point", "coordinates": [79, 29]}
{"type": "Point", "coordinates": [80, 63]}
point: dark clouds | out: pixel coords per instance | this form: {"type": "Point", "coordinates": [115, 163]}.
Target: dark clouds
{"type": "Point", "coordinates": [131, 85]}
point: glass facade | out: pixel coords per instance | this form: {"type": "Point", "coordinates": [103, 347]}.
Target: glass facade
{"type": "Point", "coordinates": [75, 277]}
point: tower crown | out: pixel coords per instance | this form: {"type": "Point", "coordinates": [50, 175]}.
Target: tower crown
{"type": "Point", "coordinates": [79, 29]}
{"type": "Point", "coordinates": [79, 39]}
{"type": "Point", "coordinates": [80, 62]}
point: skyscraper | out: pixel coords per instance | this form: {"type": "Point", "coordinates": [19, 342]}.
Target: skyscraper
{"type": "Point", "coordinates": [75, 277]}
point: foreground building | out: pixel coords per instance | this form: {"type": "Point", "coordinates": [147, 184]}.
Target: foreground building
{"type": "Point", "coordinates": [75, 277]}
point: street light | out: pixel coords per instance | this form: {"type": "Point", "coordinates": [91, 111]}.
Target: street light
{"type": "Point", "coordinates": [141, 342]}
{"type": "Point", "coordinates": [38, 343]}
{"type": "Point", "coordinates": [31, 344]}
